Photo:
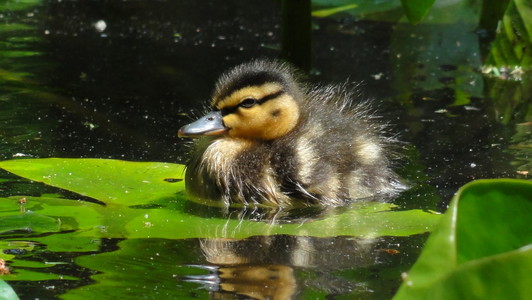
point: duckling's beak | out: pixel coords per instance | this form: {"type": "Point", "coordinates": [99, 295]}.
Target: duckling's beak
{"type": "Point", "coordinates": [210, 124]}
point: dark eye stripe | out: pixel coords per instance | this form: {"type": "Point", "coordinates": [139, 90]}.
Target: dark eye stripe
{"type": "Point", "coordinates": [270, 96]}
{"type": "Point", "coordinates": [232, 109]}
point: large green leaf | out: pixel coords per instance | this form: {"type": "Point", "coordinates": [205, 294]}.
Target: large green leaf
{"type": "Point", "coordinates": [6, 292]}
{"type": "Point", "coordinates": [109, 181]}
{"type": "Point", "coordinates": [144, 201]}
{"type": "Point", "coordinates": [482, 247]}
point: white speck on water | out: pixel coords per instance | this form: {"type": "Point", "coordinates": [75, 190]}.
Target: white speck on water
{"type": "Point", "coordinates": [377, 76]}
{"type": "Point", "coordinates": [100, 25]}
{"type": "Point", "coordinates": [472, 165]}
{"type": "Point", "coordinates": [404, 275]}
{"type": "Point", "coordinates": [21, 155]}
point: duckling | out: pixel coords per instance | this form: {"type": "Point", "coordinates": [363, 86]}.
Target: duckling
{"type": "Point", "coordinates": [273, 140]}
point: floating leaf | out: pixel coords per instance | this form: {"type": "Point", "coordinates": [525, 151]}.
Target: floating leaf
{"type": "Point", "coordinates": [482, 247]}
{"type": "Point", "coordinates": [93, 221]}
{"type": "Point", "coordinates": [7, 247]}
{"type": "Point", "coordinates": [158, 207]}
{"type": "Point", "coordinates": [30, 275]}
{"type": "Point", "coordinates": [109, 181]}
{"type": "Point", "coordinates": [30, 222]}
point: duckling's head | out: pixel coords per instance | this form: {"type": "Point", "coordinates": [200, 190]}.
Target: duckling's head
{"type": "Point", "coordinates": [258, 100]}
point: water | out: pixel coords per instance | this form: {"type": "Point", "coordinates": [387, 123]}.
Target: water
{"type": "Point", "coordinates": [117, 80]}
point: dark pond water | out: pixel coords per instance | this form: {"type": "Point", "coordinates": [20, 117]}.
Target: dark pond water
{"type": "Point", "coordinates": [109, 79]}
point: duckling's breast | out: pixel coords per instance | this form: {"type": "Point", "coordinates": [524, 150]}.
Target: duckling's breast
{"type": "Point", "coordinates": [237, 171]}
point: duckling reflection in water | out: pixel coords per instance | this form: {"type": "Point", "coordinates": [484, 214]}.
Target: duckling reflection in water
{"type": "Point", "coordinates": [273, 140]}
{"type": "Point", "coordinates": [268, 267]}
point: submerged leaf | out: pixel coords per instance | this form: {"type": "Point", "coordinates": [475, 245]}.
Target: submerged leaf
{"type": "Point", "coordinates": [416, 10]}
{"type": "Point", "coordinates": [322, 13]}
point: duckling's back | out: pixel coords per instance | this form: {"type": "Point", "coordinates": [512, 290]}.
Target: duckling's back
{"type": "Point", "coordinates": [340, 151]}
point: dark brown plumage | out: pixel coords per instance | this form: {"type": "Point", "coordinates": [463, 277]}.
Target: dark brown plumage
{"type": "Point", "coordinates": [274, 140]}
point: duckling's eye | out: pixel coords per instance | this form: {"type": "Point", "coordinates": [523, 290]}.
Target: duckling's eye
{"type": "Point", "coordinates": [248, 102]}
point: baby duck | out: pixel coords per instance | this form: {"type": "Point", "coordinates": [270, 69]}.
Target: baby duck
{"type": "Point", "coordinates": [273, 140]}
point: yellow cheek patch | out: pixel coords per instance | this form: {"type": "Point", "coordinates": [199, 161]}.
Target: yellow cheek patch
{"type": "Point", "coordinates": [267, 121]}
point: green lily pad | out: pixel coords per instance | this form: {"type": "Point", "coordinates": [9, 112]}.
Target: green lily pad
{"type": "Point", "coordinates": [109, 181]}
{"type": "Point", "coordinates": [30, 222]}
{"type": "Point", "coordinates": [31, 275]}
{"type": "Point", "coordinates": [92, 221]}
{"type": "Point", "coordinates": [7, 247]}
{"type": "Point", "coordinates": [154, 205]}
{"type": "Point", "coordinates": [482, 247]}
